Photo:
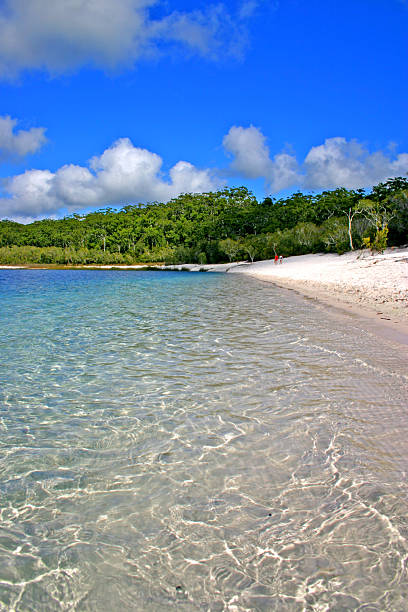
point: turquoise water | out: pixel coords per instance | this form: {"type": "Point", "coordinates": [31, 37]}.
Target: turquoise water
{"type": "Point", "coordinates": [196, 442]}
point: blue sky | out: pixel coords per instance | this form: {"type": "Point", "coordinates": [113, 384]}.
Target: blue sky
{"type": "Point", "coordinates": [105, 103]}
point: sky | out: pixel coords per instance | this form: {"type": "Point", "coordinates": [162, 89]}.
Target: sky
{"type": "Point", "coordinates": [108, 103]}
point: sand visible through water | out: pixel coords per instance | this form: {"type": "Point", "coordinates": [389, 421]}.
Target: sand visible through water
{"type": "Point", "coordinates": [198, 442]}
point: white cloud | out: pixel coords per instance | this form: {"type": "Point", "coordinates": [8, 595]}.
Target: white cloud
{"type": "Point", "coordinates": [122, 174]}
{"type": "Point", "coordinates": [29, 192]}
{"type": "Point", "coordinates": [187, 178]}
{"type": "Point", "coordinates": [251, 158]}
{"type": "Point", "coordinates": [21, 142]}
{"type": "Point", "coordinates": [349, 164]}
{"type": "Point", "coordinates": [284, 171]}
{"type": "Point", "coordinates": [248, 8]}
{"type": "Point", "coordinates": [336, 163]}
{"type": "Point", "coordinates": [65, 34]}
{"type": "Point", "coordinates": [250, 153]}
{"type": "Point", "coordinates": [205, 32]}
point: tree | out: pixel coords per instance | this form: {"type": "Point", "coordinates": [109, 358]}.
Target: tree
{"type": "Point", "coordinates": [383, 191]}
{"type": "Point", "coordinates": [350, 214]}
{"type": "Point", "coordinates": [230, 247]}
{"type": "Point", "coordinates": [250, 245]}
{"type": "Point", "coordinates": [307, 236]}
{"type": "Point", "coordinates": [216, 226]}
{"type": "Point", "coordinates": [379, 217]}
{"type": "Point", "coordinates": [334, 234]}
{"type": "Point", "coordinates": [398, 202]}
{"type": "Point", "coordinates": [272, 243]}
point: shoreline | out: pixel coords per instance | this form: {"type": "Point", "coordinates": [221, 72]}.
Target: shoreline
{"type": "Point", "coordinates": [372, 288]}
{"type": "Point", "coordinates": [78, 267]}
{"type": "Point", "coordinates": [373, 322]}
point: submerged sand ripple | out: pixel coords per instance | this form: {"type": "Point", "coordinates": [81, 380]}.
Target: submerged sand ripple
{"type": "Point", "coordinates": [208, 447]}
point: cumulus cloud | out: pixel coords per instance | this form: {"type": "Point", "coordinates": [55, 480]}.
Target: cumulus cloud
{"type": "Point", "coordinates": [284, 171]}
{"type": "Point", "coordinates": [249, 151]}
{"type": "Point", "coordinates": [337, 162]}
{"type": "Point", "coordinates": [349, 164]}
{"type": "Point", "coordinates": [18, 143]}
{"type": "Point", "coordinates": [123, 173]}
{"type": "Point", "coordinates": [63, 35]}
{"type": "Point", "coordinates": [251, 158]}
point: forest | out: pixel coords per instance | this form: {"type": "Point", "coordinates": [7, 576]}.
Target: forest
{"type": "Point", "coordinates": [227, 225]}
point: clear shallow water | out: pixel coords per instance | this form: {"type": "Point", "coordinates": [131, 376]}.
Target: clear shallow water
{"type": "Point", "coordinates": [196, 442]}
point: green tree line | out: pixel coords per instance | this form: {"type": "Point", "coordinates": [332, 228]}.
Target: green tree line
{"type": "Point", "coordinates": [229, 224]}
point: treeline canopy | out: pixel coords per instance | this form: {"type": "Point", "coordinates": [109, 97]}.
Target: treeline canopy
{"type": "Point", "coordinates": [212, 227]}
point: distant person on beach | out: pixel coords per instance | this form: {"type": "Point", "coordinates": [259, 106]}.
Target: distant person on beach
{"type": "Point", "coordinates": [280, 259]}
{"type": "Point", "coordinates": [276, 259]}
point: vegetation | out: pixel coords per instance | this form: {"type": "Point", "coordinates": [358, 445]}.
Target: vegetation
{"type": "Point", "coordinates": [208, 228]}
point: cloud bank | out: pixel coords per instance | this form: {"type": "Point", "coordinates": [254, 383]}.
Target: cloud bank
{"type": "Point", "coordinates": [65, 34]}
{"type": "Point", "coordinates": [337, 162]}
{"type": "Point", "coordinates": [123, 173]}
{"type": "Point", "coordinates": [18, 143]}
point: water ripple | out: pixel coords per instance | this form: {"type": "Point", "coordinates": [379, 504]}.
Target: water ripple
{"type": "Point", "coordinates": [196, 442]}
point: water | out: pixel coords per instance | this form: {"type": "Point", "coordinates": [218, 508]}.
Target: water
{"type": "Point", "coordinates": [196, 442]}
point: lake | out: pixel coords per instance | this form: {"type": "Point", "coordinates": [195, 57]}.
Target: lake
{"type": "Point", "coordinates": [196, 442]}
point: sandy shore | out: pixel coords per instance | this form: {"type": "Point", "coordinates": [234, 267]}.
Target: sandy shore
{"type": "Point", "coordinates": [377, 283]}
{"type": "Point", "coordinates": [374, 287]}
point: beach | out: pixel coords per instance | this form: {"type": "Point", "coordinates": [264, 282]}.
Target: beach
{"type": "Point", "coordinates": [374, 287]}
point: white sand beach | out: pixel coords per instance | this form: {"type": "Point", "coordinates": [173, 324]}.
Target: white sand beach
{"type": "Point", "coordinates": [373, 286]}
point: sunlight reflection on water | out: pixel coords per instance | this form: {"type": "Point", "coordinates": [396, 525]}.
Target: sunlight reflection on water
{"type": "Point", "coordinates": [201, 442]}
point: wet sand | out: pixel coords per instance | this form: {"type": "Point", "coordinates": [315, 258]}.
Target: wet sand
{"type": "Point", "coordinates": [373, 288]}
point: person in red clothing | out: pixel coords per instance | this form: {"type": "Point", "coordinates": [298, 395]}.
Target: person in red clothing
{"type": "Point", "coordinates": [276, 259]}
